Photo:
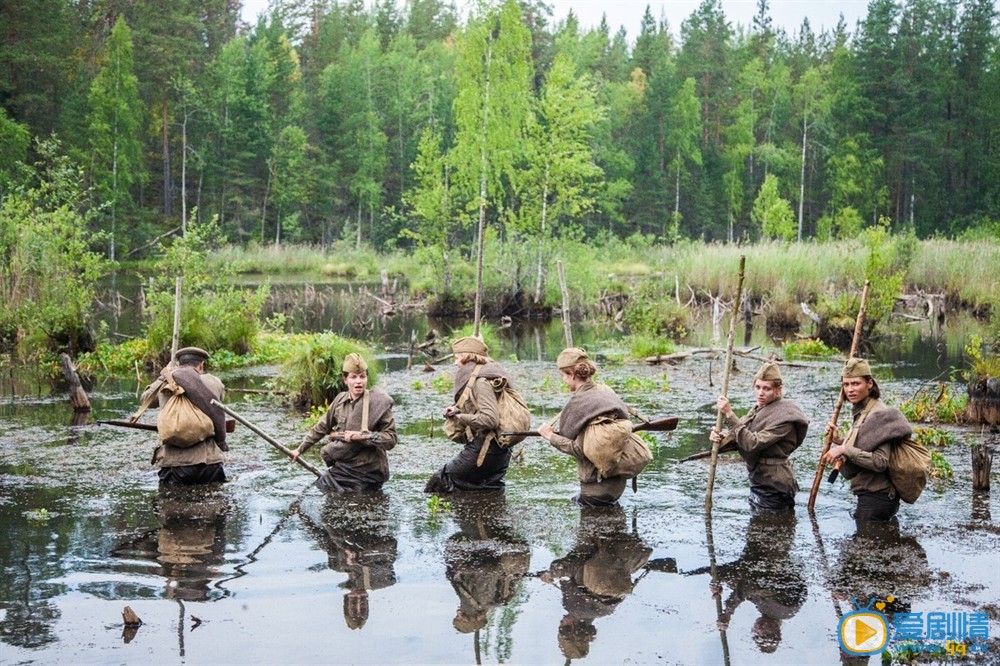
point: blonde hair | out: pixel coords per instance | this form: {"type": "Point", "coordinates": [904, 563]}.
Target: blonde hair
{"type": "Point", "coordinates": [478, 359]}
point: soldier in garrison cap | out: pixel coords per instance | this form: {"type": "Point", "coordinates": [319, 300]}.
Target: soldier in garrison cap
{"type": "Point", "coordinates": [589, 401]}
{"type": "Point", "coordinates": [361, 429]}
{"type": "Point", "coordinates": [201, 462]}
{"type": "Point", "coordinates": [473, 420]}
{"type": "Point", "coordinates": [866, 450]}
{"type": "Point", "coordinates": [764, 438]}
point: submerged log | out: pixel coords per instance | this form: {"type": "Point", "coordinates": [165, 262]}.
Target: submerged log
{"type": "Point", "coordinates": [130, 618]}
{"type": "Point", "coordinates": [77, 396]}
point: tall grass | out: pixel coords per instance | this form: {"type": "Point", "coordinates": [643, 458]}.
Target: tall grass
{"type": "Point", "coordinates": [965, 271]}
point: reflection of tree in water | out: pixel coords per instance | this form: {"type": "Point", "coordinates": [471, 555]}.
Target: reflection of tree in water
{"type": "Point", "coordinates": [354, 532]}
{"type": "Point", "coordinates": [767, 576]}
{"type": "Point", "coordinates": [596, 575]}
{"type": "Point", "coordinates": [485, 562]}
{"type": "Point", "coordinates": [29, 618]}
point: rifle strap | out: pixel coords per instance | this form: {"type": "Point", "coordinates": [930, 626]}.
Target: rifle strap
{"type": "Point", "coordinates": [364, 411]}
{"type": "Point", "coordinates": [154, 391]}
{"type": "Point", "coordinates": [853, 434]}
{"type": "Point", "coordinates": [466, 396]}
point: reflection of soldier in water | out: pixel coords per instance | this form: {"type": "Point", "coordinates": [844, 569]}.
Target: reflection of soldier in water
{"type": "Point", "coordinates": [358, 541]}
{"type": "Point", "coordinates": [767, 576]}
{"type": "Point", "coordinates": [485, 560]}
{"type": "Point", "coordinates": [878, 562]}
{"type": "Point", "coordinates": [191, 542]}
{"type": "Point", "coordinates": [596, 575]}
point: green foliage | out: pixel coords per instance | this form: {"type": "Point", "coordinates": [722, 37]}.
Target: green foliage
{"type": "Point", "coordinates": [312, 373]}
{"type": "Point", "coordinates": [37, 515]}
{"type": "Point", "coordinates": [115, 128]}
{"type": "Point", "coordinates": [806, 348]}
{"type": "Point", "coordinates": [215, 314]}
{"type": "Point", "coordinates": [436, 505]}
{"type": "Point", "coordinates": [643, 345]}
{"type": "Point", "coordinates": [983, 362]}
{"type": "Point", "coordinates": [442, 383]}
{"type": "Point", "coordinates": [772, 213]}
{"type": "Point", "coordinates": [651, 312]}
{"type": "Point", "coordinates": [14, 142]}
{"type": "Point", "coordinates": [883, 260]}
{"type": "Point", "coordinates": [116, 359]}
{"type": "Point", "coordinates": [938, 405]}
{"type": "Point", "coordinates": [47, 271]}
{"type": "Point", "coordinates": [940, 467]}
{"type": "Point", "coordinates": [487, 331]}
{"type": "Point", "coordinates": [635, 384]}
{"type": "Point", "coordinates": [933, 437]}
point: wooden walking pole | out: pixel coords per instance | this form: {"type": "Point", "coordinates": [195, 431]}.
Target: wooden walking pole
{"type": "Point", "coordinates": [716, 591]}
{"type": "Point", "coordinates": [820, 467]}
{"type": "Point", "coordinates": [725, 382]}
{"type": "Point", "coordinates": [567, 326]}
{"type": "Point", "coordinates": [267, 438]}
{"type": "Point", "coordinates": [177, 320]}
{"type": "Point", "coordinates": [479, 253]}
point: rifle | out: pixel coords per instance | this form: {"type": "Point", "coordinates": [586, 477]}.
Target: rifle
{"type": "Point", "coordinates": [828, 440]}
{"type": "Point", "coordinates": [138, 425]}
{"type": "Point", "coordinates": [665, 424]}
{"type": "Point", "coordinates": [726, 447]}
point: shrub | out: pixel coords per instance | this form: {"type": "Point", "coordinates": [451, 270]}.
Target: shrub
{"type": "Point", "coordinates": [47, 271]}
{"type": "Point", "coordinates": [311, 375]}
{"type": "Point", "coordinates": [215, 314]}
{"type": "Point", "coordinates": [939, 405]}
{"type": "Point", "coordinates": [807, 348]}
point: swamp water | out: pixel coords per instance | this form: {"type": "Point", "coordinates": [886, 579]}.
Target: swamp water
{"type": "Point", "coordinates": [265, 569]}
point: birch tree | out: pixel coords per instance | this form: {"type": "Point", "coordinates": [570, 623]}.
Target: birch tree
{"type": "Point", "coordinates": [115, 124]}
{"type": "Point", "coordinates": [494, 71]}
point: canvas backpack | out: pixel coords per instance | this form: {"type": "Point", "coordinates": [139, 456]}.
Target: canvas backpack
{"type": "Point", "coordinates": [909, 462]}
{"type": "Point", "coordinates": [611, 446]}
{"type": "Point", "coordinates": [909, 467]}
{"type": "Point", "coordinates": [179, 422]}
{"type": "Point", "coordinates": [513, 416]}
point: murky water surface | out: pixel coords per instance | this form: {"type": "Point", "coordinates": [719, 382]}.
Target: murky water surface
{"type": "Point", "coordinates": [265, 569]}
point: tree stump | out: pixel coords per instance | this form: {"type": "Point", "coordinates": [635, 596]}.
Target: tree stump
{"type": "Point", "coordinates": [982, 464]}
{"type": "Point", "coordinates": [984, 402]}
{"type": "Point", "coordinates": [77, 396]}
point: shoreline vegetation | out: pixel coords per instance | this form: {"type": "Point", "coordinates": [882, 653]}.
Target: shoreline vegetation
{"type": "Point", "coordinates": [650, 291]}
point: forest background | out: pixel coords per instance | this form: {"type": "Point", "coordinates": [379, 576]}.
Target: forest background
{"type": "Point", "coordinates": [394, 128]}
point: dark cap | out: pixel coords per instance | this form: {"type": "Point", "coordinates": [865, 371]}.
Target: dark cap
{"type": "Point", "coordinates": [196, 352]}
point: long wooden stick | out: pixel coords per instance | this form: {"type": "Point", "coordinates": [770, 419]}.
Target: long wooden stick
{"type": "Point", "coordinates": [175, 340]}
{"type": "Point", "coordinates": [820, 467]}
{"type": "Point", "coordinates": [725, 382]}
{"type": "Point", "coordinates": [716, 592]}
{"type": "Point", "coordinates": [567, 326]}
{"type": "Point", "coordinates": [267, 438]}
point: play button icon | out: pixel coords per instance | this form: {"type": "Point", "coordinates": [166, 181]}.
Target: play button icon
{"type": "Point", "coordinates": [863, 632]}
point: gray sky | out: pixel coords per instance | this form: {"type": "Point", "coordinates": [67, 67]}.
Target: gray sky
{"type": "Point", "coordinates": [787, 14]}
